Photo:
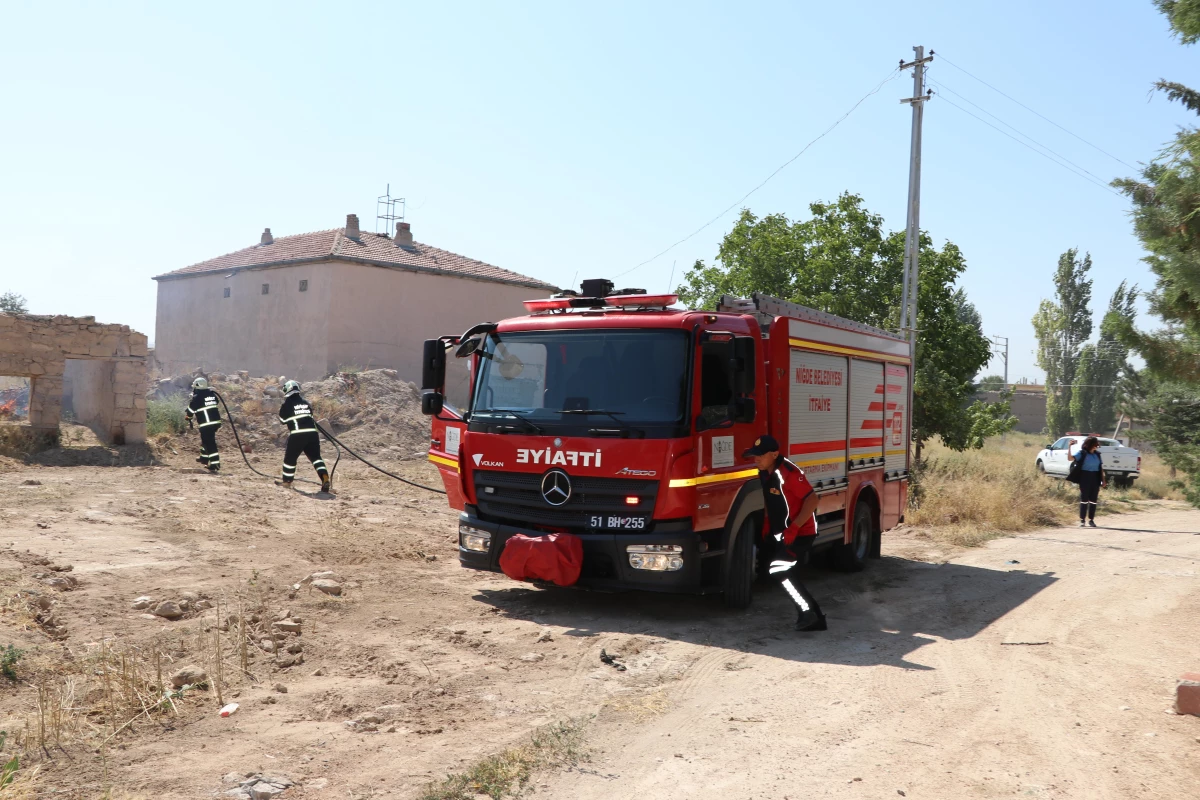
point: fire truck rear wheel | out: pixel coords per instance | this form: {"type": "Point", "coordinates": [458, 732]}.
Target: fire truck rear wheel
{"type": "Point", "coordinates": [739, 584]}
{"type": "Point", "coordinates": [852, 557]}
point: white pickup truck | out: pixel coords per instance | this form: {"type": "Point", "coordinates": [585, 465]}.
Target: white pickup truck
{"type": "Point", "coordinates": [1122, 464]}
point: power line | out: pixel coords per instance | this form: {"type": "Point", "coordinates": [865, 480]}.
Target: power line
{"type": "Point", "coordinates": [891, 76]}
{"type": "Point", "coordinates": [1022, 133]}
{"type": "Point", "coordinates": [1103, 186]}
{"type": "Point", "coordinates": [1030, 110]}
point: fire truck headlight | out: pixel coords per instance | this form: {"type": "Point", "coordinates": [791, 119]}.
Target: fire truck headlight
{"type": "Point", "coordinates": [474, 539]}
{"type": "Point", "coordinates": [656, 557]}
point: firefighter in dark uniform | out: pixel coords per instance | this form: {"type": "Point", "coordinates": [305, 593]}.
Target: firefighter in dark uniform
{"type": "Point", "coordinates": [296, 413]}
{"type": "Point", "coordinates": [789, 525]}
{"type": "Point", "coordinates": [203, 410]}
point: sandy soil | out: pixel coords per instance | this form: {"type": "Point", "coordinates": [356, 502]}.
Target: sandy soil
{"type": "Point", "coordinates": [931, 681]}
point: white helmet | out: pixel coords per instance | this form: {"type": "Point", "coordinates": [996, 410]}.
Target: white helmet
{"type": "Point", "coordinates": [290, 387]}
{"type": "Point", "coordinates": [199, 383]}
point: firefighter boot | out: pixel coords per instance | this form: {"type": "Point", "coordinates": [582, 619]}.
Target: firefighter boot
{"type": "Point", "coordinates": [285, 484]}
{"type": "Point", "coordinates": [811, 621]}
{"type": "Point", "coordinates": [326, 484]}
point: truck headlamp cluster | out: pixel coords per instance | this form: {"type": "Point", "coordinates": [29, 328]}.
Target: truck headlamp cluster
{"type": "Point", "coordinates": [656, 557]}
{"type": "Point", "coordinates": [474, 539]}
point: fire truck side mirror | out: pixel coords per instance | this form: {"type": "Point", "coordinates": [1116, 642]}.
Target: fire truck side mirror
{"type": "Point", "coordinates": [431, 403]}
{"type": "Point", "coordinates": [433, 366]}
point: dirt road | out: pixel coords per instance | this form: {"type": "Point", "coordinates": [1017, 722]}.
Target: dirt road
{"type": "Point", "coordinates": [931, 680]}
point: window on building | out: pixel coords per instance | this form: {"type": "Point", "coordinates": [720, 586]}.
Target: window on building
{"type": "Point", "coordinates": [304, 286]}
{"type": "Point", "coordinates": [266, 288]}
{"type": "Point", "coordinates": [226, 294]}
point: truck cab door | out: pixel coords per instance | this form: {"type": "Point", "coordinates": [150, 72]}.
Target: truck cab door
{"type": "Point", "coordinates": [726, 422]}
{"type": "Point", "coordinates": [445, 397]}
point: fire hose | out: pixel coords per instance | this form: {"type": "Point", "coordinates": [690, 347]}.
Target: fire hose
{"type": "Point", "coordinates": [332, 440]}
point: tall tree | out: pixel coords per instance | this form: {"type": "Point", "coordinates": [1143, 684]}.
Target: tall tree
{"type": "Point", "coordinates": [843, 262]}
{"type": "Point", "coordinates": [1166, 207]}
{"type": "Point", "coordinates": [1102, 366]}
{"type": "Point", "coordinates": [1062, 326]}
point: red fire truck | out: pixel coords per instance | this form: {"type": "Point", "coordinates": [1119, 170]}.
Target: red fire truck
{"type": "Point", "coordinates": [620, 420]}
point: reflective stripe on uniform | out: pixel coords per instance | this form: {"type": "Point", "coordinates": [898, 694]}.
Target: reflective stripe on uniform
{"type": "Point", "coordinates": [787, 584]}
{"type": "Point", "coordinates": [780, 566]}
{"type": "Point", "coordinates": [209, 424]}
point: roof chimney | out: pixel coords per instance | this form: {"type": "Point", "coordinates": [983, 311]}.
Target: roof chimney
{"type": "Point", "coordinates": [266, 237]}
{"type": "Point", "coordinates": [404, 235]}
{"type": "Point", "coordinates": [352, 226]}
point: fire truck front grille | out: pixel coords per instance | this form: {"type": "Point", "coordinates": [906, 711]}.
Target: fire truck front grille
{"type": "Point", "coordinates": [515, 498]}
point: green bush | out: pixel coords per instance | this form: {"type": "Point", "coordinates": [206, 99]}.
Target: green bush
{"type": "Point", "coordinates": [9, 657]}
{"type": "Point", "coordinates": [166, 415]}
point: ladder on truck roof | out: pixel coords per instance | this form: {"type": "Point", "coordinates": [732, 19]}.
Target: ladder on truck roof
{"type": "Point", "coordinates": [766, 308]}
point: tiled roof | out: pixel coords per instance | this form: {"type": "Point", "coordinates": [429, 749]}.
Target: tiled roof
{"type": "Point", "coordinates": [369, 248]}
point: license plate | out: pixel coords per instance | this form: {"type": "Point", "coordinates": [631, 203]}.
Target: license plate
{"type": "Point", "coordinates": [614, 522]}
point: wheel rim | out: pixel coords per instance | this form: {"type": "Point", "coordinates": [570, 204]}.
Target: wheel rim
{"type": "Point", "coordinates": [1041, 467]}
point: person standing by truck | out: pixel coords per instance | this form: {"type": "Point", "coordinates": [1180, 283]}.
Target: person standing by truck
{"type": "Point", "coordinates": [1091, 479]}
{"type": "Point", "coordinates": [789, 525]}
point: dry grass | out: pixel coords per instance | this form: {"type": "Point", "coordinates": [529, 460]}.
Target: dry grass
{"type": "Point", "coordinates": [507, 774]}
{"type": "Point", "coordinates": [19, 440]}
{"type": "Point", "coordinates": [966, 499]}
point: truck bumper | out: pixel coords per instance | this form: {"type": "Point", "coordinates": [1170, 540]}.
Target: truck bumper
{"type": "Point", "coordinates": [605, 561]}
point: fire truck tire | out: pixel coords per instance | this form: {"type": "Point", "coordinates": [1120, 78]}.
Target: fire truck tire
{"type": "Point", "coordinates": [739, 584]}
{"type": "Point", "coordinates": [852, 557]}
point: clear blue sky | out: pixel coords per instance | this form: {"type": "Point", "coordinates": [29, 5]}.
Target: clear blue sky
{"type": "Point", "coordinates": [560, 139]}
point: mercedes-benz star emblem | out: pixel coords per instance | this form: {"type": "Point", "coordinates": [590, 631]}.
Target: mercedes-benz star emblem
{"type": "Point", "coordinates": [558, 442]}
{"type": "Point", "coordinates": [556, 487]}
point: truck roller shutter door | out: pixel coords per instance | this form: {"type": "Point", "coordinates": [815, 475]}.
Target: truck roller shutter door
{"type": "Point", "coordinates": [866, 413]}
{"type": "Point", "coordinates": [895, 422]}
{"type": "Point", "coordinates": [817, 415]}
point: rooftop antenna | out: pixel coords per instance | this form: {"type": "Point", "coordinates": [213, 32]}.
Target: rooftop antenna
{"type": "Point", "coordinates": [385, 212]}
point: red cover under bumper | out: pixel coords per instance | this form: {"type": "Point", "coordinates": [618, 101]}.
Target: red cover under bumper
{"type": "Point", "coordinates": [556, 557]}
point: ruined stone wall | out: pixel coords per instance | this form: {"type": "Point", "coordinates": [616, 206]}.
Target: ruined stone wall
{"type": "Point", "coordinates": [38, 347]}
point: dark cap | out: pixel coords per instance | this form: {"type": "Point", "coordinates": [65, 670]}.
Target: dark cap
{"type": "Point", "coordinates": [762, 445]}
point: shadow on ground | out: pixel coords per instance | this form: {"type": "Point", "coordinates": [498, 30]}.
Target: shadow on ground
{"type": "Point", "coordinates": [877, 617]}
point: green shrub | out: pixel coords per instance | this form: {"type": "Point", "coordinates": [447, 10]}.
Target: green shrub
{"type": "Point", "coordinates": [9, 657]}
{"type": "Point", "coordinates": [166, 415]}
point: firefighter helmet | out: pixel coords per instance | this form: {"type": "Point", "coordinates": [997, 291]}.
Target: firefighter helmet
{"type": "Point", "coordinates": [290, 387]}
{"type": "Point", "coordinates": [199, 383]}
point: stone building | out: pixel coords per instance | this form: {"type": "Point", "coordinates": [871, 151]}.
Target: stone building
{"type": "Point", "coordinates": [104, 366]}
{"type": "Point", "coordinates": [304, 306]}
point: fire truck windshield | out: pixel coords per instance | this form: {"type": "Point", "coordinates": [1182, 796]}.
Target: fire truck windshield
{"type": "Point", "coordinates": [637, 376]}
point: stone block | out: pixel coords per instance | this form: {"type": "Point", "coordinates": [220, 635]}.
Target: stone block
{"type": "Point", "coordinates": [1187, 694]}
{"type": "Point", "coordinates": [124, 401]}
{"type": "Point", "coordinates": [100, 351]}
{"type": "Point", "coordinates": [135, 432]}
{"type": "Point", "coordinates": [140, 403]}
{"type": "Point", "coordinates": [138, 350]}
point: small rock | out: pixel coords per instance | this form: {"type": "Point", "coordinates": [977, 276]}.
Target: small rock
{"type": "Point", "coordinates": [328, 586]}
{"type": "Point", "coordinates": [546, 636]}
{"type": "Point", "coordinates": [168, 609]}
{"type": "Point", "coordinates": [42, 601]}
{"type": "Point", "coordinates": [390, 729]}
{"type": "Point", "coordinates": [264, 791]}
{"type": "Point", "coordinates": [270, 700]}
{"type": "Point", "coordinates": [533, 658]}
{"type": "Point", "coordinates": [142, 603]}
{"type": "Point", "coordinates": [190, 674]}
{"type": "Point", "coordinates": [31, 482]}
{"type": "Point", "coordinates": [316, 783]}
{"type": "Point", "coordinates": [43, 525]}
{"type": "Point", "coordinates": [202, 605]}
{"type": "Point", "coordinates": [236, 793]}
{"type": "Point", "coordinates": [63, 583]}
{"type": "Point", "coordinates": [431, 557]}
{"type": "Point", "coordinates": [295, 648]}
{"type": "Point", "coordinates": [372, 719]}
{"type": "Point", "coordinates": [61, 567]}
{"type": "Point", "coordinates": [267, 645]}
{"type": "Point", "coordinates": [279, 687]}
{"type": "Point", "coordinates": [320, 671]}
{"type": "Point", "coordinates": [190, 597]}
{"type": "Point", "coordinates": [282, 615]}
{"type": "Point", "coordinates": [290, 661]}
{"type": "Point", "coordinates": [390, 712]}
{"type": "Point", "coordinates": [324, 575]}
{"type": "Point", "coordinates": [231, 777]}
{"type": "Point", "coordinates": [287, 626]}
{"type": "Point", "coordinates": [901, 793]}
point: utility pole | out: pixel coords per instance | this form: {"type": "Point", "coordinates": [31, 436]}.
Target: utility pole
{"type": "Point", "coordinates": [1003, 354]}
{"type": "Point", "coordinates": [912, 234]}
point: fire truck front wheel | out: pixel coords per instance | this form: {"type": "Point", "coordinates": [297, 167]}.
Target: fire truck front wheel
{"type": "Point", "coordinates": [739, 582]}
{"type": "Point", "coordinates": [852, 557]}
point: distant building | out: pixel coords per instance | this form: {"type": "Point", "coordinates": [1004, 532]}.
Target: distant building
{"type": "Point", "coordinates": [305, 305]}
{"type": "Point", "coordinates": [1028, 405]}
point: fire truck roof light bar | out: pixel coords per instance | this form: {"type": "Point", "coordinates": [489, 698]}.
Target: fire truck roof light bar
{"type": "Point", "coordinates": [562, 304]}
